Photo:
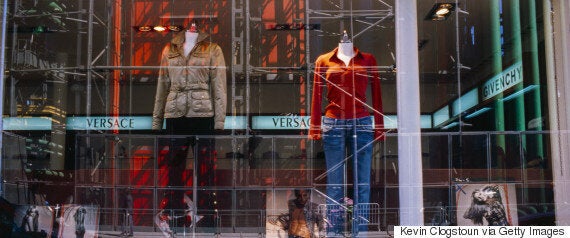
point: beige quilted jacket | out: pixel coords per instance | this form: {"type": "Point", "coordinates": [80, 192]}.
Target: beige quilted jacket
{"type": "Point", "coordinates": [192, 86]}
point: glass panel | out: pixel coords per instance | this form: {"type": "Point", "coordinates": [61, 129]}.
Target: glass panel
{"type": "Point", "coordinates": [174, 165]}
{"type": "Point", "coordinates": [507, 157]}
{"type": "Point", "coordinates": [438, 206]}
{"type": "Point", "coordinates": [470, 160]}
{"type": "Point", "coordinates": [390, 161]}
{"type": "Point", "coordinates": [94, 162]}
{"type": "Point", "coordinates": [262, 161]}
{"type": "Point", "coordinates": [249, 213]}
{"type": "Point", "coordinates": [135, 161]}
{"type": "Point", "coordinates": [291, 163]}
{"type": "Point", "coordinates": [216, 207]}
{"type": "Point", "coordinates": [436, 160]}
{"type": "Point", "coordinates": [143, 204]}
{"type": "Point", "coordinates": [15, 167]}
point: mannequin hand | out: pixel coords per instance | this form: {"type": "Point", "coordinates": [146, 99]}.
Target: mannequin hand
{"type": "Point", "coordinates": [315, 134]}
{"type": "Point", "coordinates": [219, 125]}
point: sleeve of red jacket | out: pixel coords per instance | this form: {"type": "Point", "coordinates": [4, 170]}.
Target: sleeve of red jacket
{"type": "Point", "coordinates": [379, 128]}
{"type": "Point", "coordinates": [316, 103]}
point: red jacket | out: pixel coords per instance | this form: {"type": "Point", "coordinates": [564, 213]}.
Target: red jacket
{"type": "Point", "coordinates": [342, 83]}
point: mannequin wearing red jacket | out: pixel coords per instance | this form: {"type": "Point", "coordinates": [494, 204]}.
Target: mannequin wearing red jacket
{"type": "Point", "coordinates": [346, 125]}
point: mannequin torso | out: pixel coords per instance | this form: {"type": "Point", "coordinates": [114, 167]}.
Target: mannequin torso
{"type": "Point", "coordinates": [345, 52]}
{"type": "Point", "coordinates": [190, 41]}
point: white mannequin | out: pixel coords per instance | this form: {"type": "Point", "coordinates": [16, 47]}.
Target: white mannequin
{"type": "Point", "coordinates": [191, 36]}
{"type": "Point", "coordinates": [345, 49]}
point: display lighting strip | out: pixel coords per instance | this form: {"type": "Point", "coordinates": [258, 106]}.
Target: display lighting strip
{"type": "Point", "coordinates": [450, 125]}
{"type": "Point", "coordinates": [478, 112]}
{"type": "Point", "coordinates": [158, 28]}
{"type": "Point", "coordinates": [521, 92]}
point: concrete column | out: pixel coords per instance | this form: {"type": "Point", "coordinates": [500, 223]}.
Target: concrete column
{"type": "Point", "coordinates": [407, 87]}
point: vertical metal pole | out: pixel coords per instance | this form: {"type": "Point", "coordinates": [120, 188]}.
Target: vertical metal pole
{"type": "Point", "coordinates": [89, 58]}
{"type": "Point", "coordinates": [2, 63]}
{"type": "Point", "coordinates": [248, 66]}
{"type": "Point", "coordinates": [89, 74]}
{"type": "Point", "coordinates": [13, 80]}
{"type": "Point", "coordinates": [235, 59]}
{"type": "Point", "coordinates": [308, 83]}
{"type": "Point", "coordinates": [451, 191]}
{"type": "Point", "coordinates": [408, 96]}
{"type": "Point", "coordinates": [458, 71]}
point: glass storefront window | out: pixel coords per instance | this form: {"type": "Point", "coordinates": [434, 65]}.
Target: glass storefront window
{"type": "Point", "coordinates": [211, 106]}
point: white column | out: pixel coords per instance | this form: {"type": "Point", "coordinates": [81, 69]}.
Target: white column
{"type": "Point", "coordinates": [557, 33]}
{"type": "Point", "coordinates": [408, 99]}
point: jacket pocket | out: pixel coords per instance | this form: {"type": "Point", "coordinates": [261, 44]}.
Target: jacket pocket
{"type": "Point", "coordinates": [199, 59]}
{"type": "Point", "coordinates": [175, 103]}
{"type": "Point", "coordinates": [201, 102]}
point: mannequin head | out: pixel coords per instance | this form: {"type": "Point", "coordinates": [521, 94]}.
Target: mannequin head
{"type": "Point", "coordinates": [193, 28]}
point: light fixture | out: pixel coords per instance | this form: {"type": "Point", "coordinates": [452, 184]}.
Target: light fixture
{"type": "Point", "coordinates": [174, 28]}
{"type": "Point", "coordinates": [440, 11]}
{"type": "Point", "coordinates": [144, 28]}
{"type": "Point", "coordinates": [158, 28]}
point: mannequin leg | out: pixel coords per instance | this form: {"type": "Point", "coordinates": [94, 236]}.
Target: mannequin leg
{"type": "Point", "coordinates": [334, 147]}
{"type": "Point", "coordinates": [364, 139]}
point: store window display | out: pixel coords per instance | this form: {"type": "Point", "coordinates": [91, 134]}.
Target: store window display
{"type": "Point", "coordinates": [346, 126]}
{"type": "Point", "coordinates": [190, 100]}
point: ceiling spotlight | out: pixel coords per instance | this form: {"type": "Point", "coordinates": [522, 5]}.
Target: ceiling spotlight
{"type": "Point", "coordinates": [159, 28]}
{"type": "Point", "coordinates": [144, 28]}
{"type": "Point", "coordinates": [440, 11]}
{"type": "Point", "coordinates": [174, 28]}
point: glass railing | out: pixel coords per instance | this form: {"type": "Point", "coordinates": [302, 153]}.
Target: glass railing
{"type": "Point", "coordinates": [244, 183]}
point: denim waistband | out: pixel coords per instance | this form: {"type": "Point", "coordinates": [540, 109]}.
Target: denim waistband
{"type": "Point", "coordinates": [356, 121]}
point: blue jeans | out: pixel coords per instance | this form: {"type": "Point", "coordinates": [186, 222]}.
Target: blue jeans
{"type": "Point", "coordinates": [338, 139]}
